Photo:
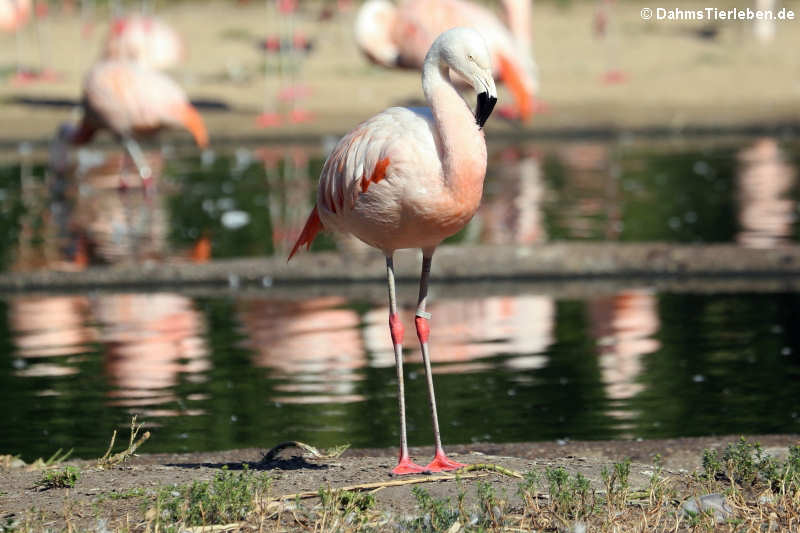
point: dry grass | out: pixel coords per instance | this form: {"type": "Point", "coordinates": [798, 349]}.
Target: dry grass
{"type": "Point", "coordinates": [761, 493]}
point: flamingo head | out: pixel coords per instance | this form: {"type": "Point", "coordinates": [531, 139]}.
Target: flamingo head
{"type": "Point", "coordinates": [464, 51]}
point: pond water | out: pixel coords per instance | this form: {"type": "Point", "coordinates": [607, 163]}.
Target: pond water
{"type": "Point", "coordinates": [251, 369]}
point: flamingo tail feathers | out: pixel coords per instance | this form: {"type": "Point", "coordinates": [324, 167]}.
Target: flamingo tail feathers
{"type": "Point", "coordinates": [310, 230]}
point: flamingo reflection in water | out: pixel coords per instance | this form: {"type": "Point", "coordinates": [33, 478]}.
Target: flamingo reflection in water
{"type": "Point", "coordinates": [624, 326]}
{"type": "Point", "coordinates": [290, 191]}
{"type": "Point", "coordinates": [96, 224]}
{"type": "Point", "coordinates": [472, 330]}
{"type": "Point", "coordinates": [511, 212]}
{"type": "Point", "coordinates": [315, 345]}
{"type": "Point", "coordinates": [51, 334]}
{"type": "Point", "coordinates": [766, 211]}
{"type": "Point", "coordinates": [152, 342]}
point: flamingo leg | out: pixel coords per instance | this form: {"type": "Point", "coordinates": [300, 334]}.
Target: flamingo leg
{"type": "Point", "coordinates": [404, 465]}
{"type": "Point", "coordinates": [137, 156]}
{"type": "Point", "coordinates": [440, 461]}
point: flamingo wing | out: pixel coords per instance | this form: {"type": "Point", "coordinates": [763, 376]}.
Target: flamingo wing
{"type": "Point", "coordinates": [368, 170]}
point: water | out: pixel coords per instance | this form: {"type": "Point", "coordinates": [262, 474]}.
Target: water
{"type": "Point", "coordinates": [254, 201]}
{"type": "Point", "coordinates": [226, 370]}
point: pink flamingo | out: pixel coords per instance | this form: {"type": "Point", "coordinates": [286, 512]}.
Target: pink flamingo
{"type": "Point", "coordinates": [409, 178]}
{"type": "Point", "coordinates": [144, 39]}
{"type": "Point", "coordinates": [132, 101]}
{"type": "Point", "coordinates": [399, 36]}
{"type": "Point", "coordinates": [14, 14]}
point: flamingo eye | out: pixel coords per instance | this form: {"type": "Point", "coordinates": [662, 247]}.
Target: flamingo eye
{"type": "Point", "coordinates": [471, 58]}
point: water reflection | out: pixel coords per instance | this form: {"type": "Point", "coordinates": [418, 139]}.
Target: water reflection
{"type": "Point", "coordinates": [512, 211]}
{"type": "Point", "coordinates": [625, 327]}
{"type": "Point", "coordinates": [114, 225]}
{"type": "Point", "coordinates": [765, 179]}
{"type": "Point", "coordinates": [148, 343]}
{"type": "Point", "coordinates": [466, 333]}
{"type": "Point", "coordinates": [50, 333]}
{"type": "Point", "coordinates": [254, 201]}
{"type": "Point", "coordinates": [314, 347]}
{"type": "Point", "coordinates": [254, 370]}
{"type": "Point", "coordinates": [151, 342]}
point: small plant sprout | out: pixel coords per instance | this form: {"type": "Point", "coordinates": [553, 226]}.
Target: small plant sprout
{"type": "Point", "coordinates": [54, 479]}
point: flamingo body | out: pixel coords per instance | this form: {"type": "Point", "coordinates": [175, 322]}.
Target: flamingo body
{"type": "Point", "coordinates": [409, 178]}
{"type": "Point", "coordinates": [400, 36]}
{"type": "Point", "coordinates": [144, 39]}
{"type": "Point", "coordinates": [14, 14]}
{"type": "Point", "coordinates": [133, 101]}
{"type": "Point", "coordinates": [385, 182]}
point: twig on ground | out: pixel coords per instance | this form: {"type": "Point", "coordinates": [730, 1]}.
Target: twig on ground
{"type": "Point", "coordinates": [109, 460]}
{"type": "Point", "coordinates": [332, 453]}
{"type": "Point", "coordinates": [215, 529]}
{"type": "Point", "coordinates": [468, 472]}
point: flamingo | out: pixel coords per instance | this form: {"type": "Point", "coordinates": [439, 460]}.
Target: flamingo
{"type": "Point", "coordinates": [409, 178]}
{"type": "Point", "coordinates": [145, 39]}
{"type": "Point", "coordinates": [14, 14]}
{"type": "Point", "coordinates": [399, 36]}
{"type": "Point", "coordinates": [132, 101]}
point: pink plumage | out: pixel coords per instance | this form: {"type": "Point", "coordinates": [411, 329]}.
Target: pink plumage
{"type": "Point", "coordinates": [409, 178]}
{"type": "Point", "coordinates": [14, 14]}
{"type": "Point", "coordinates": [144, 39]}
{"type": "Point", "coordinates": [400, 36]}
{"type": "Point", "coordinates": [131, 101]}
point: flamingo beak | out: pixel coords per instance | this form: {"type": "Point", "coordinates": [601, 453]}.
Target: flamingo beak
{"type": "Point", "coordinates": [485, 106]}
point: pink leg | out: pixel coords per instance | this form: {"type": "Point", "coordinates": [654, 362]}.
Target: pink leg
{"type": "Point", "coordinates": [404, 465]}
{"type": "Point", "coordinates": [440, 461]}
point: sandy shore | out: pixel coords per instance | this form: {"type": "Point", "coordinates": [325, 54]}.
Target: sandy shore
{"type": "Point", "coordinates": [677, 80]}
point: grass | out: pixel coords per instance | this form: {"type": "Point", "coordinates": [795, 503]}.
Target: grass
{"type": "Point", "coordinates": [52, 479]}
{"type": "Point", "coordinates": [762, 492]}
{"type": "Point", "coordinates": [229, 497]}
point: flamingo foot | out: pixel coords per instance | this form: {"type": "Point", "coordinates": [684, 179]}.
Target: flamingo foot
{"type": "Point", "coordinates": [442, 463]}
{"type": "Point", "coordinates": [407, 466]}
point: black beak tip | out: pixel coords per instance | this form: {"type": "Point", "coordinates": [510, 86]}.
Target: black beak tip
{"type": "Point", "coordinates": [485, 106]}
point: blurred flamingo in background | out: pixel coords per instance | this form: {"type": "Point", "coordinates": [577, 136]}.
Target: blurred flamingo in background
{"type": "Point", "coordinates": [605, 29]}
{"type": "Point", "coordinates": [14, 14]}
{"type": "Point", "coordinates": [144, 39]}
{"type": "Point", "coordinates": [409, 179]}
{"type": "Point", "coordinates": [400, 36]}
{"type": "Point", "coordinates": [132, 101]}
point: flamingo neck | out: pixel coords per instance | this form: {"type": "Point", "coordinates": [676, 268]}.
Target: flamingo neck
{"type": "Point", "coordinates": [462, 145]}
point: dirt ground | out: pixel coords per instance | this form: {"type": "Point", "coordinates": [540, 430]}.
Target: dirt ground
{"type": "Point", "coordinates": [293, 471]}
{"type": "Point", "coordinates": [679, 74]}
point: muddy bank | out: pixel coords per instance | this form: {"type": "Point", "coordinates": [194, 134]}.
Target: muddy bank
{"type": "Point", "coordinates": [119, 495]}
